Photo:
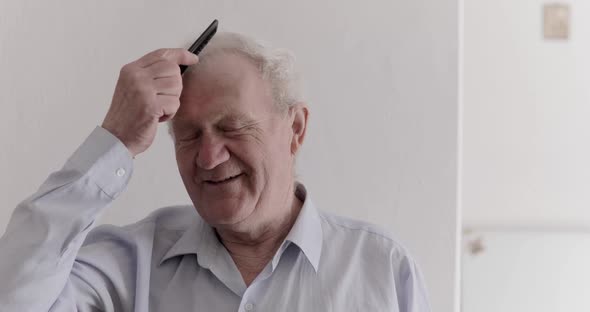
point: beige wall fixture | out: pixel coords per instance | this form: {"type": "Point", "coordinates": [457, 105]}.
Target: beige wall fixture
{"type": "Point", "coordinates": [556, 21]}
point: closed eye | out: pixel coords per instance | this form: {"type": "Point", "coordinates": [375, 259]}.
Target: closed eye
{"type": "Point", "coordinates": [189, 137]}
{"type": "Point", "coordinates": [230, 129]}
{"type": "Point", "coordinates": [234, 128]}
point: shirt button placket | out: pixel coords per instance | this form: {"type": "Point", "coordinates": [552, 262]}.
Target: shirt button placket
{"type": "Point", "coordinates": [249, 307]}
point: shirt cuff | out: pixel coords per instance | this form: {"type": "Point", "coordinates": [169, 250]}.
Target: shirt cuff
{"type": "Point", "coordinates": [105, 159]}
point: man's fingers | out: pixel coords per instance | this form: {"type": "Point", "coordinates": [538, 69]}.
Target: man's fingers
{"type": "Point", "coordinates": [169, 85]}
{"type": "Point", "coordinates": [163, 69]}
{"type": "Point", "coordinates": [176, 55]}
{"type": "Point", "coordinates": [169, 107]}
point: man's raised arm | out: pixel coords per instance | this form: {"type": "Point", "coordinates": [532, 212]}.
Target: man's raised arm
{"type": "Point", "coordinates": [39, 248]}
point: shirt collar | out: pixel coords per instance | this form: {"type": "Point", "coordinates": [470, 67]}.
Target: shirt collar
{"type": "Point", "coordinates": [307, 232]}
{"type": "Point", "coordinates": [200, 238]}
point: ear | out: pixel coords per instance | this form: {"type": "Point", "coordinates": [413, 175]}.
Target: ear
{"type": "Point", "coordinates": [298, 114]}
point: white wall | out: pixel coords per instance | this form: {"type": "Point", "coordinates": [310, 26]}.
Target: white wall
{"type": "Point", "coordinates": [381, 79]}
{"type": "Point", "coordinates": [526, 117]}
{"type": "Point", "coordinates": [516, 272]}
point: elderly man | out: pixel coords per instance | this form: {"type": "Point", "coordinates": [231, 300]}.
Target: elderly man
{"type": "Point", "coordinates": [255, 243]}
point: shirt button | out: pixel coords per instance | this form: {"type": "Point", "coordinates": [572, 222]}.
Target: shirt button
{"type": "Point", "coordinates": [120, 172]}
{"type": "Point", "coordinates": [248, 306]}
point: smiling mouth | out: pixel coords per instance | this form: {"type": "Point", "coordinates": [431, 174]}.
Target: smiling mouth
{"type": "Point", "coordinates": [226, 180]}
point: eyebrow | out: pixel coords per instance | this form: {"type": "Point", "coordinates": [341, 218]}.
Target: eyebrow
{"type": "Point", "coordinates": [237, 117]}
{"type": "Point", "coordinates": [232, 117]}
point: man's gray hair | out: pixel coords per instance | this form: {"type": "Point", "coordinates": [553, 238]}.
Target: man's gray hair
{"type": "Point", "coordinates": [277, 66]}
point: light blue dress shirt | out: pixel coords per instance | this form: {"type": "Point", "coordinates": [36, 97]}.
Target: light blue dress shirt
{"type": "Point", "coordinates": [53, 260]}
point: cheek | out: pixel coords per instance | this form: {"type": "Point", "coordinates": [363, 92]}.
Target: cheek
{"type": "Point", "coordinates": [278, 154]}
{"type": "Point", "coordinates": [185, 160]}
{"type": "Point", "coordinates": [250, 156]}
{"type": "Point", "coordinates": [282, 147]}
{"type": "Point", "coordinates": [247, 155]}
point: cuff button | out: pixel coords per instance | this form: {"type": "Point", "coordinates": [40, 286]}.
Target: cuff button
{"type": "Point", "coordinates": [120, 172]}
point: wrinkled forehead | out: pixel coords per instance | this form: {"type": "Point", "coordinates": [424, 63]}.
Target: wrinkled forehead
{"type": "Point", "coordinates": [222, 70]}
{"type": "Point", "coordinates": [224, 83]}
{"type": "Point", "coordinates": [223, 73]}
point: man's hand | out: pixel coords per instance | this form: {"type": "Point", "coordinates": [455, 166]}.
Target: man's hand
{"type": "Point", "coordinates": [147, 92]}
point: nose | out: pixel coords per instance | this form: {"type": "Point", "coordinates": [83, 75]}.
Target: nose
{"type": "Point", "coordinates": [211, 152]}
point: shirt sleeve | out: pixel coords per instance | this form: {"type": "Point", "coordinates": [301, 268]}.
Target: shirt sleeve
{"type": "Point", "coordinates": [412, 294]}
{"type": "Point", "coordinates": [47, 229]}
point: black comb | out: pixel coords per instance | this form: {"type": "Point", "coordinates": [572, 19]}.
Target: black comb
{"type": "Point", "coordinates": [201, 42]}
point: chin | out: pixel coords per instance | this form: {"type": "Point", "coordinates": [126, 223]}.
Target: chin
{"type": "Point", "coordinates": [223, 212]}
{"type": "Point", "coordinates": [223, 204]}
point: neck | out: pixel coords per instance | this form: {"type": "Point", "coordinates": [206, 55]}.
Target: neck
{"type": "Point", "coordinates": [252, 250]}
